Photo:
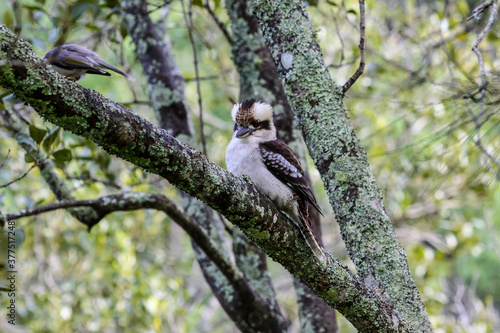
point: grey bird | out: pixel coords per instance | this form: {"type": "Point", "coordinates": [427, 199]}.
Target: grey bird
{"type": "Point", "coordinates": [74, 61]}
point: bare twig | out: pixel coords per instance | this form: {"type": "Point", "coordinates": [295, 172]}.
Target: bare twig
{"type": "Point", "coordinates": [165, 3]}
{"type": "Point", "coordinates": [133, 201]}
{"type": "Point", "coordinates": [342, 64]}
{"type": "Point", "coordinates": [20, 177]}
{"type": "Point", "coordinates": [189, 21]}
{"type": "Point", "coordinates": [5, 159]}
{"type": "Point", "coordinates": [477, 141]}
{"type": "Point", "coordinates": [362, 48]}
{"type": "Point", "coordinates": [221, 25]}
{"type": "Point", "coordinates": [95, 180]}
{"type": "Point", "coordinates": [16, 8]}
{"type": "Point", "coordinates": [51, 207]}
{"type": "Point", "coordinates": [492, 158]}
{"type": "Point", "coordinates": [483, 33]}
{"type": "Point", "coordinates": [479, 91]}
{"type": "Point", "coordinates": [209, 77]}
{"type": "Point", "coordinates": [479, 9]}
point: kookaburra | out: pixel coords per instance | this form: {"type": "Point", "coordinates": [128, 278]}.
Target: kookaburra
{"type": "Point", "coordinates": [74, 61]}
{"type": "Point", "coordinates": [272, 166]}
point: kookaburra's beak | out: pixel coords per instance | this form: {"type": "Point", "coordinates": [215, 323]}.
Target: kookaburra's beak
{"type": "Point", "coordinates": [243, 132]}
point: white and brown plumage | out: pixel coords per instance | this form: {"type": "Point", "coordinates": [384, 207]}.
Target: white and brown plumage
{"type": "Point", "coordinates": [271, 164]}
{"type": "Point", "coordinates": [74, 61]}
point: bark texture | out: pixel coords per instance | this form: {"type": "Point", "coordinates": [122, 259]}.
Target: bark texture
{"type": "Point", "coordinates": [260, 312]}
{"type": "Point", "coordinates": [317, 102]}
{"type": "Point", "coordinates": [165, 81]}
{"type": "Point", "coordinates": [125, 134]}
{"type": "Point", "coordinates": [259, 79]}
{"type": "Point", "coordinates": [86, 215]}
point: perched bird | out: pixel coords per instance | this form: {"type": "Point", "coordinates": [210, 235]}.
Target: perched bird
{"type": "Point", "coordinates": [74, 61]}
{"type": "Point", "coordinates": [273, 167]}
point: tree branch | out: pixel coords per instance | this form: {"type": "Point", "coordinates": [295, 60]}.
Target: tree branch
{"type": "Point", "coordinates": [260, 80]}
{"type": "Point", "coordinates": [362, 48]}
{"type": "Point", "coordinates": [188, 18]}
{"type": "Point", "coordinates": [47, 169]}
{"type": "Point", "coordinates": [132, 201]}
{"type": "Point", "coordinates": [491, 19]}
{"type": "Point", "coordinates": [221, 25]}
{"type": "Point", "coordinates": [334, 147]}
{"type": "Point", "coordinates": [125, 134]}
{"type": "Point", "coordinates": [20, 177]}
{"type": "Point", "coordinates": [233, 301]}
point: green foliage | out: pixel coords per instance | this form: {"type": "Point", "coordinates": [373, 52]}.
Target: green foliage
{"type": "Point", "coordinates": [37, 134]}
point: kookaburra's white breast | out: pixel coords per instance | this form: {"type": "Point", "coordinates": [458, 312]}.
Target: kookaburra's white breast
{"type": "Point", "coordinates": [244, 158]}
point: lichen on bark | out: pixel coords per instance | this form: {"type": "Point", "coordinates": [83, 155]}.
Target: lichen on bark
{"type": "Point", "coordinates": [337, 153]}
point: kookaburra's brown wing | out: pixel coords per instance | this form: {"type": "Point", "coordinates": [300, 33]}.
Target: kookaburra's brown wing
{"type": "Point", "coordinates": [284, 164]}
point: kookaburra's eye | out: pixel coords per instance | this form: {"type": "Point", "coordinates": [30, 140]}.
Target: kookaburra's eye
{"type": "Point", "coordinates": [256, 124]}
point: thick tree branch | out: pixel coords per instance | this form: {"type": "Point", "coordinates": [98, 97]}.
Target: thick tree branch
{"type": "Point", "coordinates": [165, 82]}
{"type": "Point", "coordinates": [259, 79]}
{"type": "Point", "coordinates": [234, 302]}
{"type": "Point", "coordinates": [125, 134]}
{"type": "Point", "coordinates": [339, 157]}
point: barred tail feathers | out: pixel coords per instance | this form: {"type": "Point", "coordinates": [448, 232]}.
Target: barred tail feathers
{"type": "Point", "coordinates": [308, 233]}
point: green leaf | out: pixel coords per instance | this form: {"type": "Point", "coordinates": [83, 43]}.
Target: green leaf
{"type": "Point", "coordinates": [37, 134]}
{"type": "Point", "coordinates": [52, 140]}
{"type": "Point", "coordinates": [62, 155]}
{"type": "Point", "coordinates": [123, 31]}
{"type": "Point", "coordinates": [35, 7]}
{"type": "Point", "coordinates": [59, 164]}
{"type": "Point", "coordinates": [28, 158]}
{"type": "Point", "coordinates": [103, 161]}
{"type": "Point", "coordinates": [198, 3]}
{"type": "Point", "coordinates": [78, 10]}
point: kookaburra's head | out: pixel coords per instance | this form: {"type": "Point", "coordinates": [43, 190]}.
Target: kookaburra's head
{"type": "Point", "coordinates": [253, 121]}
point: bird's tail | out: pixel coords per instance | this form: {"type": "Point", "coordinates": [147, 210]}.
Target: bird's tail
{"type": "Point", "coordinates": [308, 234]}
{"type": "Point", "coordinates": [312, 241]}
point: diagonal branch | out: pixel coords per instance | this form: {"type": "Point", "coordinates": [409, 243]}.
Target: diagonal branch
{"type": "Point", "coordinates": [491, 19]}
{"type": "Point", "coordinates": [47, 168]}
{"type": "Point", "coordinates": [260, 80]}
{"type": "Point", "coordinates": [362, 48]}
{"type": "Point", "coordinates": [221, 25]}
{"type": "Point", "coordinates": [20, 177]}
{"type": "Point", "coordinates": [163, 74]}
{"type": "Point", "coordinates": [133, 201]}
{"type": "Point", "coordinates": [335, 149]}
{"type": "Point", "coordinates": [125, 134]}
